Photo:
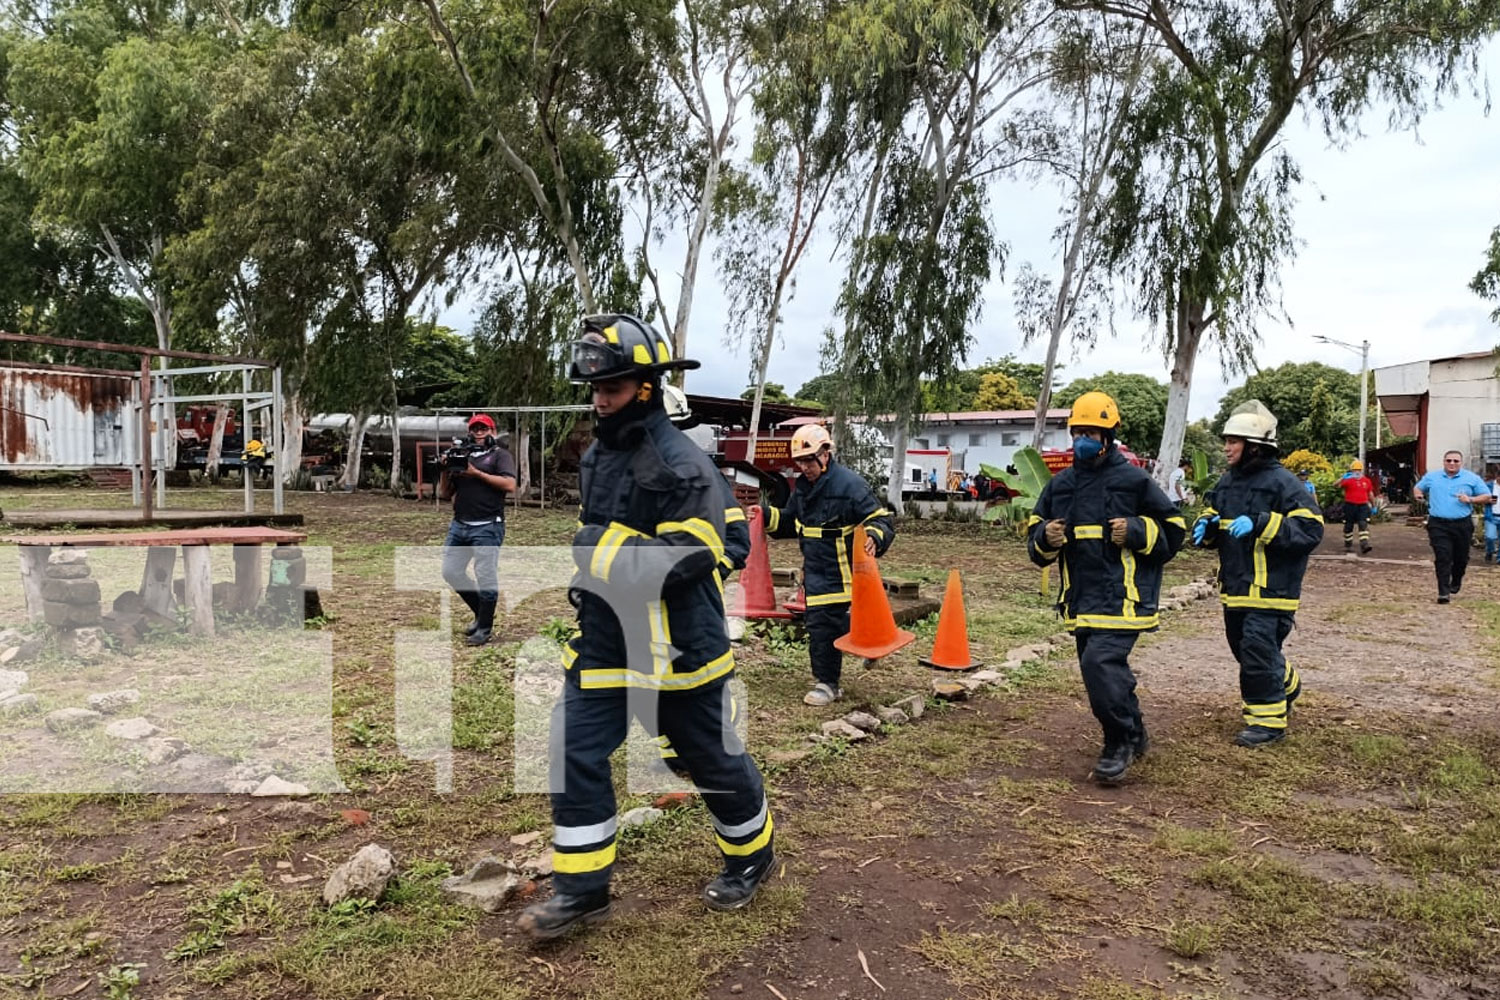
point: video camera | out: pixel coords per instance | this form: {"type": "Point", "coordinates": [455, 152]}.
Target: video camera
{"type": "Point", "coordinates": [464, 450]}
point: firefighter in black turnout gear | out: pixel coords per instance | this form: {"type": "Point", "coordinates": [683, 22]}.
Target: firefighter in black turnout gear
{"type": "Point", "coordinates": [1111, 529]}
{"type": "Point", "coordinates": [652, 644]}
{"type": "Point", "coordinates": [828, 502]}
{"type": "Point", "coordinates": [1265, 525]}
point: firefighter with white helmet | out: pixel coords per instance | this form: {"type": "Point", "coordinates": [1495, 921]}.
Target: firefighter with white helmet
{"type": "Point", "coordinates": [1261, 520]}
{"type": "Point", "coordinates": [1112, 530]}
{"type": "Point", "coordinates": [828, 501]}
{"type": "Point", "coordinates": [650, 646]}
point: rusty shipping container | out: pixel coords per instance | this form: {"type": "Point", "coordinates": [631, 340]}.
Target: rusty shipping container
{"type": "Point", "coordinates": [66, 420]}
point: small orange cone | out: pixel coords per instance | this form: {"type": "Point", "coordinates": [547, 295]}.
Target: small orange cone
{"type": "Point", "coordinates": [872, 627]}
{"type": "Point", "coordinates": [950, 650]}
{"type": "Point", "coordinates": [757, 595]}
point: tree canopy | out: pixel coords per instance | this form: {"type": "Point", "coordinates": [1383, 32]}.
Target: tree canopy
{"type": "Point", "coordinates": [1142, 401]}
{"type": "Point", "coordinates": [1316, 405]}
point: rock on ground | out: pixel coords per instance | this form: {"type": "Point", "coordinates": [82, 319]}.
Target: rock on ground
{"type": "Point", "coordinates": [18, 704]}
{"type": "Point", "coordinates": [110, 702]}
{"type": "Point", "coordinates": [130, 729]}
{"type": "Point", "coordinates": [863, 720]}
{"type": "Point", "coordinates": [66, 719]}
{"type": "Point", "coordinates": [913, 705]}
{"type": "Point", "coordinates": [274, 786]}
{"type": "Point", "coordinates": [363, 876]}
{"type": "Point", "coordinates": [640, 816]}
{"type": "Point", "coordinates": [485, 886]}
{"type": "Point", "coordinates": [838, 727]}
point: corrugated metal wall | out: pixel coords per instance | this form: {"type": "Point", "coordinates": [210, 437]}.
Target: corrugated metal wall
{"type": "Point", "coordinates": [65, 420]}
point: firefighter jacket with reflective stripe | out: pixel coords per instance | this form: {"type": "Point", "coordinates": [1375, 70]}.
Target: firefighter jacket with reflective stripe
{"type": "Point", "coordinates": [1104, 586]}
{"type": "Point", "coordinates": [736, 532]}
{"type": "Point", "coordinates": [649, 551]}
{"type": "Point", "coordinates": [823, 516]}
{"type": "Point", "coordinates": [1264, 568]}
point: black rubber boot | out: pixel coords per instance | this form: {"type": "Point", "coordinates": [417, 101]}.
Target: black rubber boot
{"type": "Point", "coordinates": [1140, 743]}
{"type": "Point", "coordinates": [472, 600]}
{"type": "Point", "coordinates": [1114, 760]}
{"type": "Point", "coordinates": [558, 915]}
{"type": "Point", "coordinates": [737, 883]}
{"type": "Point", "coordinates": [485, 624]}
{"type": "Point", "coordinates": [1259, 736]}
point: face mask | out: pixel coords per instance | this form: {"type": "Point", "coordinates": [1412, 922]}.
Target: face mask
{"type": "Point", "coordinates": [1085, 448]}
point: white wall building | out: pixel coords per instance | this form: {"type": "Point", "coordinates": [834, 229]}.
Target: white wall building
{"type": "Point", "coordinates": [989, 436]}
{"type": "Point", "coordinates": [1445, 403]}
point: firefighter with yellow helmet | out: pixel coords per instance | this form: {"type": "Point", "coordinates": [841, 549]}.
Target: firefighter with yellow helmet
{"type": "Point", "coordinates": [828, 501]}
{"type": "Point", "coordinates": [1111, 529]}
{"type": "Point", "coordinates": [651, 644]}
{"type": "Point", "coordinates": [1265, 526]}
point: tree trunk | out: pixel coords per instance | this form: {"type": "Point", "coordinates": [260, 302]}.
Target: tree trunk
{"type": "Point", "coordinates": [521, 452]}
{"type": "Point", "coordinates": [395, 483]}
{"type": "Point", "coordinates": [350, 479]}
{"type": "Point", "coordinates": [898, 468]}
{"type": "Point", "coordinates": [293, 417]}
{"type": "Point", "coordinates": [216, 444]}
{"type": "Point", "coordinates": [1189, 335]}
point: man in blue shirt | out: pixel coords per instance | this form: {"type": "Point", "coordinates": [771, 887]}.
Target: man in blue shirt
{"type": "Point", "coordinates": [1450, 496]}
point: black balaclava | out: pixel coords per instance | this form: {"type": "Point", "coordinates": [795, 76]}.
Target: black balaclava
{"type": "Point", "coordinates": [622, 429]}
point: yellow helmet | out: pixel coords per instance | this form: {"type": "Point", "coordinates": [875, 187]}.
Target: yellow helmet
{"type": "Point", "coordinates": [808, 440]}
{"type": "Point", "coordinates": [1094, 409]}
{"type": "Point", "coordinates": [1356, 466]}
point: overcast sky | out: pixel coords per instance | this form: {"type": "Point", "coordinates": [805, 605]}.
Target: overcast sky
{"type": "Point", "coordinates": [1393, 229]}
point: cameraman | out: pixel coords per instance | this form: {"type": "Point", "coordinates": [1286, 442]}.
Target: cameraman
{"type": "Point", "coordinates": [478, 488]}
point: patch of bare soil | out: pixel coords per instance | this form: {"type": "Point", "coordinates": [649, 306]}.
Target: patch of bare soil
{"type": "Point", "coordinates": [944, 916]}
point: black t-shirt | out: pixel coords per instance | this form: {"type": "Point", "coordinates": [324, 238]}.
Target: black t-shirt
{"type": "Point", "coordinates": [473, 498]}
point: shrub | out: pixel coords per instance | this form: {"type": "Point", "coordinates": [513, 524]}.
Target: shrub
{"type": "Point", "coordinates": [1309, 460]}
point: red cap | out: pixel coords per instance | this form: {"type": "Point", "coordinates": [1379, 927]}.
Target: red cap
{"type": "Point", "coordinates": [482, 418]}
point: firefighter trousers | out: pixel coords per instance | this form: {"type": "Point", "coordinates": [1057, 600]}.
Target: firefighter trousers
{"type": "Point", "coordinates": [588, 726]}
{"type": "Point", "coordinates": [825, 623]}
{"type": "Point", "coordinates": [1268, 682]}
{"type": "Point", "coordinates": [1104, 661]}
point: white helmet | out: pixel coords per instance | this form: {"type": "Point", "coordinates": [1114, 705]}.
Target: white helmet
{"type": "Point", "coordinates": [676, 403]}
{"type": "Point", "coordinates": [1253, 422]}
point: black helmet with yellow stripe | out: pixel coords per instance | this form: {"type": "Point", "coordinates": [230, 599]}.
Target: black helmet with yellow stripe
{"type": "Point", "coordinates": [618, 345]}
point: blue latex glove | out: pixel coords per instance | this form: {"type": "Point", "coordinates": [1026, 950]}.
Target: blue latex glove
{"type": "Point", "coordinates": [1241, 526]}
{"type": "Point", "coordinates": [1200, 528]}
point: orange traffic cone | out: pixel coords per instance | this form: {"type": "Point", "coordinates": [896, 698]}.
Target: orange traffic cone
{"type": "Point", "coordinates": [950, 650]}
{"type": "Point", "coordinates": [757, 596]}
{"type": "Point", "coordinates": [872, 627]}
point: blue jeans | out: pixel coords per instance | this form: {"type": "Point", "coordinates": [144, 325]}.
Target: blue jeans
{"type": "Point", "coordinates": [479, 544]}
{"type": "Point", "coordinates": [1491, 537]}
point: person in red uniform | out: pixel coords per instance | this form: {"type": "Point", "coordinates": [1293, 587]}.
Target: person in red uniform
{"type": "Point", "coordinates": [1357, 493]}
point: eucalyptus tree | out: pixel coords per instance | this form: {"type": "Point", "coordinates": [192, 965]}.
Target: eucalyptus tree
{"type": "Point", "coordinates": [918, 268]}
{"type": "Point", "coordinates": [712, 75]}
{"type": "Point", "coordinates": [1099, 65]}
{"type": "Point", "coordinates": [566, 90]}
{"type": "Point", "coordinates": [812, 111]}
{"type": "Point", "coordinates": [1199, 218]}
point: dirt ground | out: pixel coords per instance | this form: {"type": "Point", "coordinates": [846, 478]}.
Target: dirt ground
{"type": "Point", "coordinates": [964, 856]}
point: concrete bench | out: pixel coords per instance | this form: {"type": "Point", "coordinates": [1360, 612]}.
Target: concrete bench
{"type": "Point", "coordinates": [161, 557]}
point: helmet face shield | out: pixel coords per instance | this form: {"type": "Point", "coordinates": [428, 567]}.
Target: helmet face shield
{"type": "Point", "coordinates": [594, 359]}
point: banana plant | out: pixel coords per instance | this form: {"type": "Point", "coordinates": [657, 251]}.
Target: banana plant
{"type": "Point", "coordinates": [1026, 485]}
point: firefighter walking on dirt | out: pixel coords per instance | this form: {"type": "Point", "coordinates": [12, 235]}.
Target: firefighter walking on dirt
{"type": "Point", "coordinates": [828, 502]}
{"type": "Point", "coordinates": [1262, 522]}
{"type": "Point", "coordinates": [652, 643]}
{"type": "Point", "coordinates": [1112, 529]}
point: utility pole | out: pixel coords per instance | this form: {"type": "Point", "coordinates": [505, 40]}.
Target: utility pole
{"type": "Point", "coordinates": [1364, 388]}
